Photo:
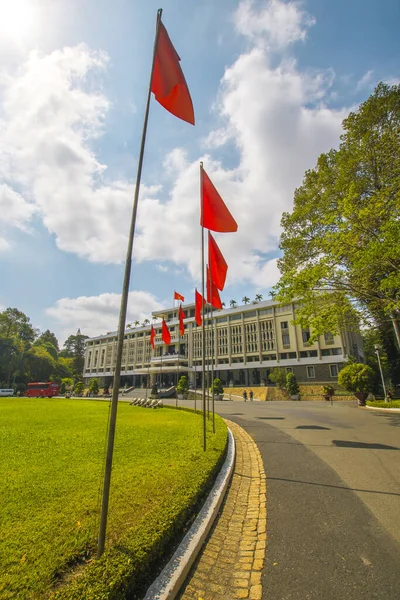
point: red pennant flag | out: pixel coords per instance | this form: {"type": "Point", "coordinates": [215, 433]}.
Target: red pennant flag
{"type": "Point", "coordinates": [178, 297]}
{"type": "Point", "coordinates": [168, 82]}
{"type": "Point", "coordinates": [165, 335]}
{"type": "Point", "coordinates": [199, 301]}
{"type": "Point", "coordinates": [218, 266]}
{"type": "Point", "coordinates": [152, 336]}
{"type": "Point", "coordinates": [181, 324]}
{"type": "Point", "coordinates": [212, 293]}
{"type": "Point", "coordinates": [214, 214]}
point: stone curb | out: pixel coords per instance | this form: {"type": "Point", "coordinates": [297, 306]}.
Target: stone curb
{"type": "Point", "coordinates": [169, 582]}
{"type": "Point", "coordinates": [395, 410]}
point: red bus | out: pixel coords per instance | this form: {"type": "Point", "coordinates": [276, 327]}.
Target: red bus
{"type": "Point", "coordinates": [39, 389]}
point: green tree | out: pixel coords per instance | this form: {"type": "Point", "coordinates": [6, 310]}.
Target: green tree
{"type": "Point", "coordinates": [341, 243]}
{"type": "Point", "coordinates": [183, 385]}
{"type": "Point", "coordinates": [94, 386]}
{"type": "Point", "coordinates": [356, 377]}
{"type": "Point", "coordinates": [64, 368]}
{"type": "Point", "coordinates": [258, 297]}
{"type": "Point", "coordinates": [218, 387]}
{"type": "Point", "coordinates": [278, 376]}
{"type": "Point", "coordinates": [67, 384]}
{"type": "Point", "coordinates": [16, 337]}
{"type": "Point", "coordinates": [245, 300]}
{"type": "Point", "coordinates": [79, 388]}
{"type": "Point", "coordinates": [74, 347]}
{"type": "Point", "coordinates": [291, 384]}
{"type": "Point", "coordinates": [233, 303]}
{"type": "Point", "coordinates": [40, 364]}
{"type": "Point", "coordinates": [48, 336]}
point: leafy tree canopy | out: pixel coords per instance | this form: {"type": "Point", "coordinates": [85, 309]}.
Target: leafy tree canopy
{"type": "Point", "coordinates": [357, 377]}
{"type": "Point", "coordinates": [341, 243]}
{"type": "Point", "coordinates": [48, 337]}
{"type": "Point", "coordinates": [278, 376]}
{"type": "Point", "coordinates": [15, 324]}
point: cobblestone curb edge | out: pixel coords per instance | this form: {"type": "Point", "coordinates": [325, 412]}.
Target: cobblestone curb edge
{"type": "Point", "coordinates": [170, 580]}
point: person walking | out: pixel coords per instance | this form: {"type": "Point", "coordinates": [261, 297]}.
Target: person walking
{"type": "Point", "coordinates": [245, 395]}
{"type": "Point", "coordinates": [251, 395]}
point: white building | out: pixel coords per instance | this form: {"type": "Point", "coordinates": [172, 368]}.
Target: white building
{"type": "Point", "coordinates": [247, 342]}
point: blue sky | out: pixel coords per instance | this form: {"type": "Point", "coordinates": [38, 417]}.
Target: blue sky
{"type": "Point", "coordinates": [270, 82]}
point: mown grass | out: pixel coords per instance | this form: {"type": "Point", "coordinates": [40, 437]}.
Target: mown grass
{"type": "Point", "coordinates": [52, 455]}
{"type": "Point", "coordinates": [383, 404]}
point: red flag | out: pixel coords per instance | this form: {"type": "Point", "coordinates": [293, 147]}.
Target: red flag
{"type": "Point", "coordinates": [168, 82]}
{"type": "Point", "coordinates": [218, 266]}
{"type": "Point", "coordinates": [152, 336]}
{"type": "Point", "coordinates": [214, 214]}
{"type": "Point", "coordinates": [165, 335]}
{"type": "Point", "coordinates": [181, 324]}
{"type": "Point", "coordinates": [199, 300]}
{"type": "Point", "coordinates": [178, 297]}
{"type": "Point", "coordinates": [212, 293]}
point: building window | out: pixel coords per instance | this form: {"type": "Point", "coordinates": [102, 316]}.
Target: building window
{"type": "Point", "coordinates": [305, 334]}
{"type": "Point", "coordinates": [285, 334]}
{"type": "Point", "coordinates": [310, 372]}
{"type": "Point", "coordinates": [284, 308]}
{"type": "Point", "coordinates": [236, 317]}
{"type": "Point", "coordinates": [334, 370]}
{"type": "Point", "coordinates": [329, 338]}
{"type": "Point", "coordinates": [265, 311]}
{"type": "Point", "coordinates": [250, 314]}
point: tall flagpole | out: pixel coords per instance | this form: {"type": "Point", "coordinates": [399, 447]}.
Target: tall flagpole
{"type": "Point", "coordinates": [203, 338]}
{"type": "Point", "coordinates": [179, 348]}
{"type": "Point", "coordinates": [212, 342]}
{"type": "Point", "coordinates": [122, 320]}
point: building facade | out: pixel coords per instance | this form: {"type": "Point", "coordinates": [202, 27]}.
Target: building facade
{"type": "Point", "coordinates": [243, 343]}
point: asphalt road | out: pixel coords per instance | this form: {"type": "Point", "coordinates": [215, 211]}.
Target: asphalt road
{"type": "Point", "coordinates": [333, 498]}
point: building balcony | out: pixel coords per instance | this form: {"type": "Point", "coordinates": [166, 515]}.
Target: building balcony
{"type": "Point", "coordinates": [169, 358]}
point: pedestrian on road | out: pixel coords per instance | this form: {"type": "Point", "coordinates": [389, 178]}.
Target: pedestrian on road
{"type": "Point", "coordinates": [251, 395]}
{"type": "Point", "coordinates": [245, 395]}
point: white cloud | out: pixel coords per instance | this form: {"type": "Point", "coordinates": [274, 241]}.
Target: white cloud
{"type": "Point", "coordinates": [162, 268]}
{"type": "Point", "coordinates": [365, 81]}
{"type": "Point", "coordinates": [274, 114]}
{"type": "Point", "coordinates": [277, 24]}
{"type": "Point", "coordinates": [14, 210]}
{"type": "Point", "coordinates": [50, 116]}
{"type": "Point", "coordinates": [94, 315]}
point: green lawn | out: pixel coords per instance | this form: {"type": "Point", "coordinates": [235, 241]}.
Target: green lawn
{"type": "Point", "coordinates": [52, 466]}
{"type": "Point", "coordinates": [383, 404]}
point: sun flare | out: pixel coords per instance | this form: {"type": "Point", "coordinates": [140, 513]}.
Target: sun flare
{"type": "Point", "coordinates": [17, 19]}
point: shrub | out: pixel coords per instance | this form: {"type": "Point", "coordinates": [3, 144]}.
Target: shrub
{"type": "Point", "coordinates": [291, 384]}
{"type": "Point", "coordinates": [217, 387]}
{"type": "Point", "coordinates": [278, 376]}
{"type": "Point", "coordinates": [79, 387]}
{"type": "Point", "coordinates": [356, 377]}
{"type": "Point", "coordinates": [328, 390]}
{"type": "Point", "coordinates": [183, 385]}
{"type": "Point", "coordinates": [94, 386]}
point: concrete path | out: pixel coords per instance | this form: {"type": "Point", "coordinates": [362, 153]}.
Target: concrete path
{"type": "Point", "coordinates": [333, 498]}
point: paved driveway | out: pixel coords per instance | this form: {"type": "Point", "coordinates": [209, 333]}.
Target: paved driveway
{"type": "Point", "coordinates": [333, 498]}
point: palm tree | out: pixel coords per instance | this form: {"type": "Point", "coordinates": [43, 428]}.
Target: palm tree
{"type": "Point", "coordinates": [129, 325]}
{"type": "Point", "coordinates": [136, 323]}
{"type": "Point", "coordinates": [146, 322]}
{"type": "Point", "coordinates": [259, 297]}
{"type": "Point", "coordinates": [223, 304]}
{"type": "Point", "coordinates": [245, 300]}
{"type": "Point", "coordinates": [233, 303]}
